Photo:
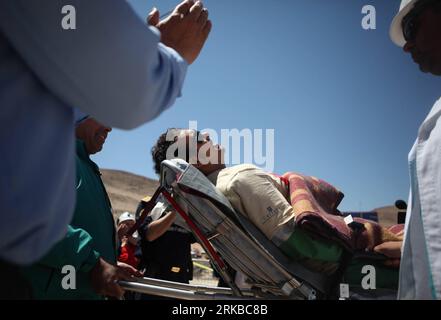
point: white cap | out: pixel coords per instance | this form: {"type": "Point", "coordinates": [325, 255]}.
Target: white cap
{"type": "Point", "coordinates": [125, 216]}
{"type": "Point", "coordinates": [396, 30]}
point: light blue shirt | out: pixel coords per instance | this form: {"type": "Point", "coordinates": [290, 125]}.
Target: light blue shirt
{"type": "Point", "coordinates": [111, 66]}
{"type": "Point", "coordinates": [420, 270]}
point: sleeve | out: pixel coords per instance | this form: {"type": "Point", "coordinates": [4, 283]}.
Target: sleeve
{"type": "Point", "coordinates": [75, 249]}
{"type": "Point", "coordinates": [111, 65]}
{"type": "Point", "coordinates": [253, 194]}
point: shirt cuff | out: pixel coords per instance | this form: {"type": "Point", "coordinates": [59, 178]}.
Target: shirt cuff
{"type": "Point", "coordinates": [183, 65]}
{"type": "Point", "coordinates": [180, 64]}
{"type": "Point", "coordinates": [155, 31]}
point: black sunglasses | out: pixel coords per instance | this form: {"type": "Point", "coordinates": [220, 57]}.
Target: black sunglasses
{"type": "Point", "coordinates": [410, 21]}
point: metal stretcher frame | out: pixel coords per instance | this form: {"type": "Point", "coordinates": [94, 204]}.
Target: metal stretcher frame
{"type": "Point", "coordinates": [291, 287]}
{"type": "Point", "coordinates": [179, 290]}
{"type": "Point", "coordinates": [274, 277]}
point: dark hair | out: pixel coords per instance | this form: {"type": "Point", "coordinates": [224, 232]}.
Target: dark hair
{"type": "Point", "coordinates": [432, 4]}
{"type": "Point", "coordinates": [159, 151]}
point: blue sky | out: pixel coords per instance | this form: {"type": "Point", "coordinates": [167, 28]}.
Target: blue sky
{"type": "Point", "coordinates": [345, 103]}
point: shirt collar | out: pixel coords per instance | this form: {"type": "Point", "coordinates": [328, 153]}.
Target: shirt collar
{"type": "Point", "coordinates": [81, 149]}
{"type": "Point", "coordinates": [84, 155]}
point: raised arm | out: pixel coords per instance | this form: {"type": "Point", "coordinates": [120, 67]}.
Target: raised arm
{"type": "Point", "coordinates": [158, 227]}
{"type": "Point", "coordinates": [112, 66]}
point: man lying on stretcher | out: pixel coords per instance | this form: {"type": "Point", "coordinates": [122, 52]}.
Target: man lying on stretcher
{"type": "Point", "coordinates": [279, 205]}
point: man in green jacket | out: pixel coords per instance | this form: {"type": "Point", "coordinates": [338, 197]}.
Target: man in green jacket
{"type": "Point", "coordinates": [89, 246]}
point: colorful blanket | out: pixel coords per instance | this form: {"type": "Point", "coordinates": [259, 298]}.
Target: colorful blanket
{"type": "Point", "coordinates": [315, 203]}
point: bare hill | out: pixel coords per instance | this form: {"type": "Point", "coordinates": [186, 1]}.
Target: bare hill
{"type": "Point", "coordinates": [127, 189]}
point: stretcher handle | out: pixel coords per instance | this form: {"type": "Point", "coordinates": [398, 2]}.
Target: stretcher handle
{"type": "Point", "coordinates": [152, 203]}
{"type": "Point", "coordinates": [198, 232]}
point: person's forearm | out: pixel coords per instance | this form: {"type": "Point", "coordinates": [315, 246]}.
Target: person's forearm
{"type": "Point", "coordinates": [159, 227]}
{"type": "Point", "coordinates": [111, 66]}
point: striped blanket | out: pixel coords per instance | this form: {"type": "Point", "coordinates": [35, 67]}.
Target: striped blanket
{"type": "Point", "coordinates": [315, 203]}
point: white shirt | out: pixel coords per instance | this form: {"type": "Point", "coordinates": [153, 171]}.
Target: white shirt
{"type": "Point", "coordinates": [259, 196]}
{"type": "Point", "coordinates": [111, 66]}
{"type": "Point", "coordinates": [420, 272]}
